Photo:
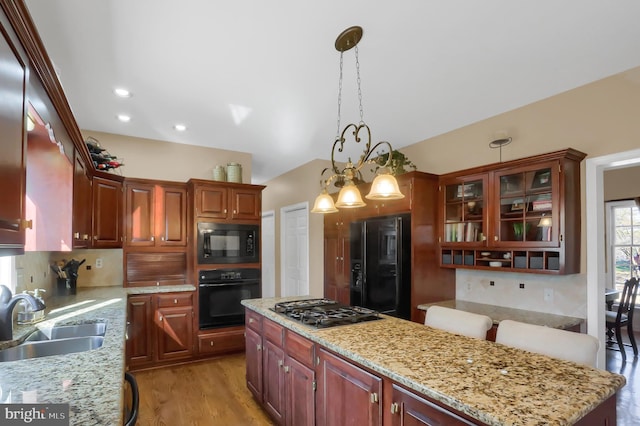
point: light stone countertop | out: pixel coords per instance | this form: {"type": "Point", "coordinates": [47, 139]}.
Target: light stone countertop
{"type": "Point", "coordinates": [499, 313]}
{"type": "Point", "coordinates": [490, 382]}
{"type": "Point", "coordinates": [91, 381]}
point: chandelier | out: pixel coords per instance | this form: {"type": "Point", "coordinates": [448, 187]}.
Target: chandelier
{"type": "Point", "coordinates": [384, 185]}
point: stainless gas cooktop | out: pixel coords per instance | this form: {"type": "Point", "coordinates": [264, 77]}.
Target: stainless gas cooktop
{"type": "Point", "coordinates": [323, 313]}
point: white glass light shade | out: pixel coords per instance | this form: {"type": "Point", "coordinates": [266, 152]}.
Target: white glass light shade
{"type": "Point", "coordinates": [349, 197]}
{"type": "Point", "coordinates": [545, 221]}
{"type": "Point", "coordinates": [324, 204]}
{"type": "Point", "coordinates": [384, 187]}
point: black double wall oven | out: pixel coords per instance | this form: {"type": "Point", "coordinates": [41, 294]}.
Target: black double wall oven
{"type": "Point", "coordinates": [221, 289]}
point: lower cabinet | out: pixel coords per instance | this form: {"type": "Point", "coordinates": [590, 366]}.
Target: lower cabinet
{"type": "Point", "coordinates": [409, 409]}
{"type": "Point", "coordinates": [280, 372]}
{"type": "Point", "coordinates": [347, 394]}
{"type": "Point", "coordinates": [159, 329]}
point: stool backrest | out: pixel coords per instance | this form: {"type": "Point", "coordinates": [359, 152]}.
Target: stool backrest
{"type": "Point", "coordinates": [459, 322]}
{"type": "Point", "coordinates": [553, 342]}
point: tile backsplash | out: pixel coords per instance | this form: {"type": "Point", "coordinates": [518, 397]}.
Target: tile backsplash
{"type": "Point", "coordinates": [554, 294]}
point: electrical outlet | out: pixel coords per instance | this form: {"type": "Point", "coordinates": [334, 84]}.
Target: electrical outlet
{"type": "Point", "coordinates": [492, 283]}
{"type": "Point", "coordinates": [468, 286]}
{"type": "Point", "coordinates": [99, 263]}
{"type": "Point", "coordinates": [548, 295]}
{"type": "Point", "coordinates": [521, 285]}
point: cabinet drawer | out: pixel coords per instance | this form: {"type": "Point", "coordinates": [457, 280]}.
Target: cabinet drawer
{"type": "Point", "coordinates": [174, 299]}
{"type": "Point", "coordinates": [273, 332]}
{"type": "Point", "coordinates": [300, 348]}
{"type": "Point", "coordinates": [253, 320]}
{"type": "Point", "coordinates": [221, 342]}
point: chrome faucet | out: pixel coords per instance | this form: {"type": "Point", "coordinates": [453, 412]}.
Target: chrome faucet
{"type": "Point", "coordinates": [7, 303]}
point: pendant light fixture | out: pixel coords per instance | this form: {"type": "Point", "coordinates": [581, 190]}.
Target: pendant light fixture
{"type": "Point", "coordinates": [384, 186]}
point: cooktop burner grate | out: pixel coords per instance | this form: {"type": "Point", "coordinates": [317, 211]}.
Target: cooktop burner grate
{"type": "Point", "coordinates": [322, 313]}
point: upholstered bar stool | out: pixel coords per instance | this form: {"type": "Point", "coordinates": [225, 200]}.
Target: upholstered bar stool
{"type": "Point", "coordinates": [563, 344]}
{"type": "Point", "coordinates": [459, 322]}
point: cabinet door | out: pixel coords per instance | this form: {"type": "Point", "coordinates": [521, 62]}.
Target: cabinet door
{"type": "Point", "coordinates": [81, 204]}
{"type": "Point", "coordinates": [337, 270]}
{"type": "Point", "coordinates": [409, 409]}
{"type": "Point", "coordinates": [246, 204]}
{"type": "Point", "coordinates": [139, 344]}
{"type": "Point", "coordinates": [527, 206]}
{"type": "Point", "coordinates": [253, 354]}
{"type": "Point", "coordinates": [273, 396]}
{"type": "Point", "coordinates": [139, 215]}
{"type": "Point", "coordinates": [107, 213]}
{"type": "Point", "coordinates": [175, 332]}
{"type": "Point", "coordinates": [211, 202]}
{"type": "Point", "coordinates": [465, 211]}
{"type": "Point", "coordinates": [12, 137]}
{"type": "Point", "coordinates": [300, 393]}
{"type": "Point", "coordinates": [347, 394]}
{"type": "Point", "coordinates": [172, 216]}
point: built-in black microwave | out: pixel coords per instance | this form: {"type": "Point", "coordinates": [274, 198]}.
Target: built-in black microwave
{"type": "Point", "coordinates": [228, 243]}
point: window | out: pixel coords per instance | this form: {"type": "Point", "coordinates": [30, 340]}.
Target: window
{"type": "Point", "coordinates": [623, 223]}
{"type": "Point", "coordinates": [8, 272]}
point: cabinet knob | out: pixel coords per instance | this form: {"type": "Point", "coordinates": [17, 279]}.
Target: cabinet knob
{"type": "Point", "coordinates": [374, 397]}
{"type": "Point", "coordinates": [225, 211]}
{"type": "Point", "coordinates": [161, 238]}
{"type": "Point", "coordinates": [175, 300]}
{"type": "Point", "coordinates": [394, 408]}
{"type": "Point", "coordinates": [211, 343]}
{"type": "Point", "coordinates": [153, 238]}
{"type": "Point", "coordinates": [280, 363]}
{"type": "Point", "coordinates": [259, 347]}
{"type": "Point", "coordinates": [235, 211]}
{"type": "Point", "coordinates": [76, 235]}
{"type": "Point", "coordinates": [157, 282]}
{"type": "Point", "coordinates": [495, 238]}
{"type": "Point", "coordinates": [251, 320]}
{"type": "Point", "coordinates": [85, 237]}
{"type": "Point", "coordinates": [27, 224]}
{"type": "Point", "coordinates": [286, 368]}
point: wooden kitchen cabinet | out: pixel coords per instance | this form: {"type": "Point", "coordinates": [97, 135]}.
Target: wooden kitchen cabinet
{"type": "Point", "coordinates": [155, 213]}
{"type": "Point", "coordinates": [13, 137]}
{"type": "Point", "coordinates": [107, 213]}
{"type": "Point", "coordinates": [409, 409]}
{"type": "Point", "coordinates": [82, 203]}
{"type": "Point", "coordinates": [285, 382]}
{"type": "Point", "coordinates": [337, 268]}
{"type": "Point", "coordinates": [227, 201]}
{"type": "Point", "coordinates": [347, 394]}
{"type": "Point", "coordinates": [159, 329]}
{"type": "Point", "coordinates": [521, 216]}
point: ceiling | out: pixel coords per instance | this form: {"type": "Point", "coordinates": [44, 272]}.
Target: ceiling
{"type": "Point", "coordinates": [262, 77]}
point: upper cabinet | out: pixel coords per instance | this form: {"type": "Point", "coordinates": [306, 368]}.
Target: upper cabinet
{"type": "Point", "coordinates": [522, 215]}
{"type": "Point", "coordinates": [107, 213]}
{"type": "Point", "coordinates": [155, 213]}
{"type": "Point", "coordinates": [13, 138]}
{"type": "Point", "coordinates": [82, 211]}
{"type": "Point", "coordinates": [226, 201]}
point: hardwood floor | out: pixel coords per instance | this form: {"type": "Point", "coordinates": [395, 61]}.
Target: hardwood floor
{"type": "Point", "coordinates": [215, 393]}
{"type": "Point", "coordinates": [628, 399]}
{"type": "Point", "coordinates": [206, 393]}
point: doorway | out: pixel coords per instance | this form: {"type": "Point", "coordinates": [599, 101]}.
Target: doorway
{"type": "Point", "coordinates": [268, 228]}
{"type": "Point", "coordinates": [596, 269]}
{"type": "Point", "coordinates": [294, 250]}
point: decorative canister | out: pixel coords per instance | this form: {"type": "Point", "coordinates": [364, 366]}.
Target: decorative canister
{"type": "Point", "coordinates": [219, 173]}
{"type": "Point", "coordinates": [234, 172]}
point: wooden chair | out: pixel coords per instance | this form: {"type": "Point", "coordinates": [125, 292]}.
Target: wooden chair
{"type": "Point", "coordinates": [623, 317]}
{"type": "Point", "coordinates": [553, 342]}
{"type": "Point", "coordinates": [459, 322]}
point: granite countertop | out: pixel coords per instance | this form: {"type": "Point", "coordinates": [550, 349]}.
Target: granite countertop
{"type": "Point", "coordinates": [91, 381]}
{"type": "Point", "coordinates": [490, 382]}
{"type": "Point", "coordinates": [499, 313]}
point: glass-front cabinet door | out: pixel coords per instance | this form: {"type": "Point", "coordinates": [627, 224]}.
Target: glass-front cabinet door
{"type": "Point", "coordinates": [465, 209]}
{"type": "Point", "coordinates": [528, 202]}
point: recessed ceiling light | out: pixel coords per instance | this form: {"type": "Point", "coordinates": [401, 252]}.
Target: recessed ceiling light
{"type": "Point", "coordinates": [124, 118]}
{"type": "Point", "coordinates": [180, 127]}
{"type": "Point", "coordinates": [123, 93]}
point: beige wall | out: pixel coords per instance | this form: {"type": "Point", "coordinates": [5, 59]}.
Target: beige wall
{"type": "Point", "coordinates": [280, 192]}
{"type": "Point", "coordinates": [153, 159]}
{"type": "Point", "coordinates": [621, 184]}
{"type": "Point", "coordinates": [598, 119]}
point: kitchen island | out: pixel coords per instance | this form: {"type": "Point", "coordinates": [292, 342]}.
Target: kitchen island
{"type": "Point", "coordinates": [478, 381]}
{"type": "Point", "coordinates": [91, 382]}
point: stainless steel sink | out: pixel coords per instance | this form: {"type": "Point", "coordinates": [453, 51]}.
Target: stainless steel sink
{"type": "Point", "coordinates": [68, 331]}
{"type": "Point", "coordinates": [36, 349]}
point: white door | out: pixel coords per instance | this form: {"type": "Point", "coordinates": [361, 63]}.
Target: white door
{"type": "Point", "coordinates": [294, 250]}
{"type": "Point", "coordinates": [268, 229]}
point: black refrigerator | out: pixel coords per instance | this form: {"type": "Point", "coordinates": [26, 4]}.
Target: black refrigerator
{"type": "Point", "coordinates": [381, 265]}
